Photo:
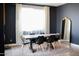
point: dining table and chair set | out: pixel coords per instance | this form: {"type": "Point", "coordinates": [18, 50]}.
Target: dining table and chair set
{"type": "Point", "coordinates": [39, 39]}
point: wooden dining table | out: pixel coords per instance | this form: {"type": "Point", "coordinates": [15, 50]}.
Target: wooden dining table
{"type": "Point", "coordinates": [30, 37]}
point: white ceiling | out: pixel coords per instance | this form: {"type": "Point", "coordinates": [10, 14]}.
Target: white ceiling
{"type": "Point", "coordinates": [51, 4]}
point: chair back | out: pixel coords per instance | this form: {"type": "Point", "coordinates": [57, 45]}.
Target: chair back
{"type": "Point", "coordinates": [40, 40]}
{"type": "Point", "coordinates": [50, 38]}
{"type": "Point", "coordinates": [57, 37]}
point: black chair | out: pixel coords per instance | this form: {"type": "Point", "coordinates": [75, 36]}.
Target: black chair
{"type": "Point", "coordinates": [56, 41]}
{"type": "Point", "coordinates": [50, 40]}
{"type": "Point", "coordinates": [57, 37]}
{"type": "Point", "coordinates": [40, 40]}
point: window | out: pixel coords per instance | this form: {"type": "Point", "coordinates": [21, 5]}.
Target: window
{"type": "Point", "coordinates": [32, 18]}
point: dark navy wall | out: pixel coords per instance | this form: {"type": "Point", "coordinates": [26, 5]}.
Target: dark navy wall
{"type": "Point", "coordinates": [72, 11]}
{"type": "Point", "coordinates": [10, 23]}
{"type": "Point", "coordinates": [52, 19]}
{"type": "Point", "coordinates": [1, 31]}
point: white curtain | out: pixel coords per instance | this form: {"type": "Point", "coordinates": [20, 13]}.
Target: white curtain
{"type": "Point", "coordinates": [29, 18]}
{"type": "Point", "coordinates": [32, 18]}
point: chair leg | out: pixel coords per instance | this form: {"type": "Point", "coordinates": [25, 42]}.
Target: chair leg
{"type": "Point", "coordinates": [42, 47]}
{"type": "Point", "coordinates": [53, 45]}
{"type": "Point", "coordinates": [49, 46]}
{"type": "Point", "coordinates": [39, 46]}
{"type": "Point", "coordinates": [22, 46]}
{"type": "Point", "coordinates": [59, 43]}
{"type": "Point", "coordinates": [46, 47]}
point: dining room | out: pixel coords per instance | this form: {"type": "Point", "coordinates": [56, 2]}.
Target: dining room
{"type": "Point", "coordinates": [40, 29]}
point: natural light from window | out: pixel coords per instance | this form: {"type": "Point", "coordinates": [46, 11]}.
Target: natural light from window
{"type": "Point", "coordinates": [32, 18]}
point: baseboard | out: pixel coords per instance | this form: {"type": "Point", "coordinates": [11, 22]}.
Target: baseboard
{"type": "Point", "coordinates": [64, 39]}
{"type": "Point", "coordinates": [74, 45]}
{"type": "Point", "coordinates": [6, 46]}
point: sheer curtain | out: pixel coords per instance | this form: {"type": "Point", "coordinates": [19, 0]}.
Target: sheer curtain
{"type": "Point", "coordinates": [31, 18]}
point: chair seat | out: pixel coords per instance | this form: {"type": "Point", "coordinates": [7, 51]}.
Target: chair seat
{"type": "Point", "coordinates": [40, 40]}
{"type": "Point", "coordinates": [57, 37]}
{"type": "Point", "coordinates": [50, 39]}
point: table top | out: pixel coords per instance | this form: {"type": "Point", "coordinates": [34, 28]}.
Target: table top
{"type": "Point", "coordinates": [35, 36]}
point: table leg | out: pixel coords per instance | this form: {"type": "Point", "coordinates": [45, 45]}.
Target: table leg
{"type": "Point", "coordinates": [31, 46]}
